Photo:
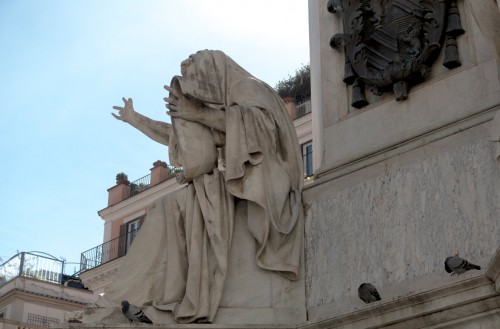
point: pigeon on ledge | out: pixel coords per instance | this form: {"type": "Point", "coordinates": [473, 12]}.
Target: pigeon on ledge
{"type": "Point", "coordinates": [134, 313]}
{"type": "Point", "coordinates": [456, 265]}
{"type": "Point", "coordinates": [368, 293]}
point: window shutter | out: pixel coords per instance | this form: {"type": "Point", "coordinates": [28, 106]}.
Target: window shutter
{"type": "Point", "coordinates": [122, 240]}
{"type": "Point", "coordinates": [141, 220]}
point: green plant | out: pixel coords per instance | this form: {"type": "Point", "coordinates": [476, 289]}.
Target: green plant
{"type": "Point", "coordinates": [138, 188]}
{"type": "Point", "coordinates": [121, 178]}
{"type": "Point", "coordinates": [297, 86]}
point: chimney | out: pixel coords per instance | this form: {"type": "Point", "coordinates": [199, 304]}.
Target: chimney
{"type": "Point", "coordinates": [160, 172]}
{"type": "Point", "coordinates": [118, 193]}
{"type": "Point", "coordinates": [291, 106]}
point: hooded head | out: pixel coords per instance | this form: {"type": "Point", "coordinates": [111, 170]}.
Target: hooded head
{"type": "Point", "coordinates": [208, 75]}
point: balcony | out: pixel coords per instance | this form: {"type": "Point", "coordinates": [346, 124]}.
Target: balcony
{"type": "Point", "coordinates": [140, 185]}
{"type": "Point", "coordinates": [106, 252]}
{"type": "Point", "coordinates": [36, 265]}
{"type": "Point", "coordinates": [303, 109]}
{"type": "Point", "coordinates": [35, 293]}
{"type": "Point", "coordinates": [124, 190]}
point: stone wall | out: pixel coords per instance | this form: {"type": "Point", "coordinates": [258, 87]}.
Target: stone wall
{"type": "Point", "coordinates": [398, 220]}
{"type": "Point", "coordinates": [401, 185]}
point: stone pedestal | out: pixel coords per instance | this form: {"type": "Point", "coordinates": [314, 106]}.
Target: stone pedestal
{"type": "Point", "coordinates": [256, 296]}
{"type": "Point", "coordinates": [471, 301]}
{"type": "Point", "coordinates": [399, 186]}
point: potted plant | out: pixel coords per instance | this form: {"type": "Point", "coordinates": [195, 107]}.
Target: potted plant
{"type": "Point", "coordinates": [122, 178]}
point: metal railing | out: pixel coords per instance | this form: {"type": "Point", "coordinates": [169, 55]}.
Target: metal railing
{"type": "Point", "coordinates": [41, 320]}
{"type": "Point", "coordinates": [140, 185]}
{"type": "Point", "coordinates": [303, 109]}
{"type": "Point", "coordinates": [144, 183]}
{"type": "Point", "coordinates": [105, 252]}
{"type": "Point", "coordinates": [32, 265]}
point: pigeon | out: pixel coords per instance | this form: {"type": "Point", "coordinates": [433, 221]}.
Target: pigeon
{"type": "Point", "coordinates": [368, 293]}
{"type": "Point", "coordinates": [456, 265]}
{"type": "Point", "coordinates": [134, 313]}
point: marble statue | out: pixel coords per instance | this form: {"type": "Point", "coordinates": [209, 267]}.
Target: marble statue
{"type": "Point", "coordinates": [235, 140]}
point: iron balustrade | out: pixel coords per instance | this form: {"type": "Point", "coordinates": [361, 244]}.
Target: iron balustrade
{"type": "Point", "coordinates": [117, 247]}
{"type": "Point", "coordinates": [144, 183]}
{"type": "Point", "coordinates": [41, 320]}
{"type": "Point", "coordinates": [140, 185]}
{"type": "Point", "coordinates": [106, 252]}
{"type": "Point", "coordinates": [303, 109]}
{"type": "Point", "coordinates": [32, 265]}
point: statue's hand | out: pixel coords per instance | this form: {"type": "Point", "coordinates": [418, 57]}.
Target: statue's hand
{"type": "Point", "coordinates": [183, 107]}
{"type": "Point", "coordinates": [125, 113]}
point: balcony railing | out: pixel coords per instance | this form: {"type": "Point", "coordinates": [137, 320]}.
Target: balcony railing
{"type": "Point", "coordinates": [303, 108]}
{"type": "Point", "coordinates": [140, 185]}
{"type": "Point", "coordinates": [106, 252]}
{"type": "Point", "coordinates": [144, 183]}
{"type": "Point", "coordinates": [40, 320]}
{"type": "Point", "coordinates": [32, 265]}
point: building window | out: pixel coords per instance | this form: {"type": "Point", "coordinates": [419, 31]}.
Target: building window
{"type": "Point", "coordinates": [307, 158]}
{"type": "Point", "coordinates": [132, 229]}
{"type": "Point", "coordinates": [128, 232]}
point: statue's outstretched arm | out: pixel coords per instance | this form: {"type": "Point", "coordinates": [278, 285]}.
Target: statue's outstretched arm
{"type": "Point", "coordinates": [156, 130]}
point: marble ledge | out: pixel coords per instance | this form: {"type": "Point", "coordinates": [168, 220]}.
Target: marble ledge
{"type": "Point", "coordinates": [172, 326]}
{"type": "Point", "coordinates": [467, 297]}
{"type": "Point", "coordinates": [493, 270]}
{"type": "Point", "coordinates": [328, 172]}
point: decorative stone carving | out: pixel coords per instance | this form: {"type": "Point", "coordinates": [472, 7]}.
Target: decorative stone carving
{"type": "Point", "coordinates": [392, 44]}
{"type": "Point", "coordinates": [234, 138]}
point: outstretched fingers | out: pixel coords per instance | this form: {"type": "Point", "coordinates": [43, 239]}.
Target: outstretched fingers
{"type": "Point", "coordinates": [117, 116]}
{"type": "Point", "coordinates": [128, 103]}
{"type": "Point", "coordinates": [170, 101]}
{"type": "Point", "coordinates": [119, 108]}
{"type": "Point", "coordinates": [171, 107]}
{"type": "Point", "coordinates": [171, 90]}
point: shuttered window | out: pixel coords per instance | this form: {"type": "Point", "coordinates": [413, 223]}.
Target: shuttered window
{"type": "Point", "coordinates": [128, 232]}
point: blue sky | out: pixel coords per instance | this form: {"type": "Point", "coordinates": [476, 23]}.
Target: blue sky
{"type": "Point", "coordinates": [64, 64]}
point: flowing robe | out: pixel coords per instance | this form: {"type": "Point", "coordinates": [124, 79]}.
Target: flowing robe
{"type": "Point", "coordinates": [178, 261]}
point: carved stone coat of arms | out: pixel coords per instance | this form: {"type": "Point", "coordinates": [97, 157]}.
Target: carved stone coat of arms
{"type": "Point", "coordinates": [392, 44]}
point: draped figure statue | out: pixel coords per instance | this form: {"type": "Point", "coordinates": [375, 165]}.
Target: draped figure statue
{"type": "Point", "coordinates": [237, 144]}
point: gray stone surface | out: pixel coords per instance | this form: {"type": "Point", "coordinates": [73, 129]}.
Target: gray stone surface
{"type": "Point", "coordinates": [344, 134]}
{"type": "Point", "coordinates": [403, 222]}
{"type": "Point", "coordinates": [434, 105]}
{"type": "Point", "coordinates": [400, 186]}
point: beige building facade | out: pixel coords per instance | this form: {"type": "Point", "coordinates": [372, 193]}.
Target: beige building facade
{"type": "Point", "coordinates": [34, 293]}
